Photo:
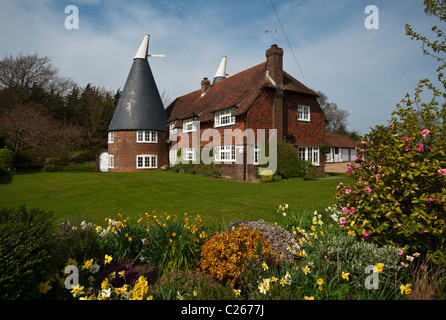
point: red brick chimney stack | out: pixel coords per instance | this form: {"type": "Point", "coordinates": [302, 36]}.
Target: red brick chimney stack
{"type": "Point", "coordinates": [274, 65]}
{"type": "Point", "coordinates": [274, 75]}
{"type": "Point", "coordinates": [205, 85]}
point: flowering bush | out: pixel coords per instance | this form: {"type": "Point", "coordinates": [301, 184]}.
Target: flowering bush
{"type": "Point", "coordinates": [399, 197]}
{"type": "Point", "coordinates": [225, 255]}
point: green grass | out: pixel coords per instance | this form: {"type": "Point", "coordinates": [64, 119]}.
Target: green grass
{"type": "Point", "coordinates": [77, 192]}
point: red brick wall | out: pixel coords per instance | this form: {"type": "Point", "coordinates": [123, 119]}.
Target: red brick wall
{"type": "Point", "coordinates": [305, 133]}
{"type": "Point", "coordinates": [124, 149]}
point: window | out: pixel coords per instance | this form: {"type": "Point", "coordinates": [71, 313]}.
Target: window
{"type": "Point", "coordinates": [111, 137]}
{"type": "Point", "coordinates": [172, 126]}
{"type": "Point", "coordinates": [146, 161]}
{"type": "Point", "coordinates": [303, 113]}
{"type": "Point", "coordinates": [225, 153]}
{"type": "Point", "coordinates": [189, 154]}
{"type": "Point", "coordinates": [310, 154]}
{"type": "Point", "coordinates": [111, 161]}
{"type": "Point", "coordinates": [173, 156]}
{"type": "Point", "coordinates": [189, 126]}
{"type": "Point", "coordinates": [147, 136]}
{"type": "Point", "coordinates": [224, 118]}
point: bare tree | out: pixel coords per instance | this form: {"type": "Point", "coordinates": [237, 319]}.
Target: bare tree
{"type": "Point", "coordinates": [25, 127]}
{"type": "Point", "coordinates": [336, 117]}
{"type": "Point", "coordinates": [20, 74]}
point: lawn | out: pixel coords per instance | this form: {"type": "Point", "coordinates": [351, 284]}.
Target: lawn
{"type": "Point", "coordinates": [78, 192]}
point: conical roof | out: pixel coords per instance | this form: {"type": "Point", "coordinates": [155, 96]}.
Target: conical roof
{"type": "Point", "coordinates": [140, 106]}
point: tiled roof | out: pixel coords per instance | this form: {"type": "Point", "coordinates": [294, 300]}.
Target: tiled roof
{"type": "Point", "coordinates": [239, 90]}
{"type": "Point", "coordinates": [340, 141]}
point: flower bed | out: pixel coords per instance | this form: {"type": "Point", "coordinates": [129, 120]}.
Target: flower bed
{"type": "Point", "coordinates": [189, 260]}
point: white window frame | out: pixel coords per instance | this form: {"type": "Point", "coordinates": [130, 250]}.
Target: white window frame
{"type": "Point", "coordinates": [188, 154]}
{"type": "Point", "coordinates": [172, 126]}
{"type": "Point", "coordinates": [225, 153]}
{"type": "Point", "coordinates": [111, 137]}
{"type": "Point", "coordinates": [173, 156]}
{"type": "Point", "coordinates": [146, 161]}
{"type": "Point", "coordinates": [145, 136]}
{"type": "Point", "coordinates": [310, 154]}
{"type": "Point", "coordinates": [303, 113]}
{"type": "Point", "coordinates": [224, 118]}
{"type": "Point", "coordinates": [189, 125]}
{"type": "Point", "coordinates": [111, 161]}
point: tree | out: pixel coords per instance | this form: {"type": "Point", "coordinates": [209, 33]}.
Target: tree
{"type": "Point", "coordinates": [336, 117]}
{"type": "Point", "coordinates": [400, 194]}
{"type": "Point", "coordinates": [26, 127]}
{"type": "Point", "coordinates": [23, 76]}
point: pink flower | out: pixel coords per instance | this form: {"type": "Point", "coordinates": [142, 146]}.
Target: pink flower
{"type": "Point", "coordinates": [359, 181]}
{"type": "Point", "coordinates": [349, 169]}
{"type": "Point", "coordinates": [407, 148]}
{"type": "Point", "coordinates": [392, 127]}
{"type": "Point", "coordinates": [442, 172]}
{"type": "Point", "coordinates": [345, 210]}
{"type": "Point", "coordinates": [431, 198]}
{"type": "Point", "coordinates": [365, 234]}
{"type": "Point", "coordinates": [341, 221]}
{"type": "Point", "coordinates": [378, 176]}
{"type": "Point", "coordinates": [406, 139]}
{"type": "Point", "coordinates": [425, 132]}
{"type": "Point", "coordinates": [420, 147]}
{"type": "Point", "coordinates": [421, 230]}
{"type": "Point", "coordinates": [340, 186]}
{"type": "Point", "coordinates": [347, 191]}
{"type": "Point", "coordinates": [352, 211]}
{"type": "Point", "coordinates": [367, 188]}
{"type": "Point", "coordinates": [400, 252]}
{"type": "Point", "coordinates": [363, 142]}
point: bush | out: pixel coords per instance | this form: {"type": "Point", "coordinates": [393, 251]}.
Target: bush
{"type": "Point", "coordinates": [6, 159]}
{"type": "Point", "coordinates": [225, 255]}
{"type": "Point", "coordinates": [399, 196]}
{"type": "Point", "coordinates": [25, 251]}
{"type": "Point", "coordinates": [75, 240]}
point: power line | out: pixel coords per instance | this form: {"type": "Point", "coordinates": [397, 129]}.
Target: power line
{"type": "Point", "coordinates": [286, 37]}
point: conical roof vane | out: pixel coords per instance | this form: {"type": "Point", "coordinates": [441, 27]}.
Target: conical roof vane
{"type": "Point", "coordinates": [221, 71]}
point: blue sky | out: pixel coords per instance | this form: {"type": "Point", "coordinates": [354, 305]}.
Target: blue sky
{"type": "Point", "coordinates": [366, 72]}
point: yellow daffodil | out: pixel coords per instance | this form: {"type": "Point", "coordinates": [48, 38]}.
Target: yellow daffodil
{"type": "Point", "coordinates": [379, 267]}
{"type": "Point", "coordinates": [77, 290]}
{"type": "Point", "coordinates": [44, 287]}
{"type": "Point", "coordinates": [108, 259]}
{"type": "Point", "coordinates": [320, 281]}
{"type": "Point", "coordinates": [308, 298]}
{"type": "Point", "coordinates": [306, 269]}
{"type": "Point", "coordinates": [345, 275]}
{"type": "Point", "coordinates": [264, 266]}
{"type": "Point", "coordinates": [88, 264]}
{"type": "Point", "coordinates": [237, 292]}
{"type": "Point", "coordinates": [122, 273]}
{"type": "Point", "coordinates": [405, 289]}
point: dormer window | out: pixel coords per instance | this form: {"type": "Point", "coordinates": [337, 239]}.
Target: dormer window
{"type": "Point", "coordinates": [147, 136]}
{"type": "Point", "coordinates": [189, 125]}
{"type": "Point", "coordinates": [224, 118]}
{"type": "Point", "coordinates": [303, 113]}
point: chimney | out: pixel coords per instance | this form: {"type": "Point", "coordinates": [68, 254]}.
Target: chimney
{"type": "Point", "coordinates": [221, 71]}
{"type": "Point", "coordinates": [274, 75]}
{"type": "Point", "coordinates": [274, 66]}
{"type": "Point", "coordinates": [205, 84]}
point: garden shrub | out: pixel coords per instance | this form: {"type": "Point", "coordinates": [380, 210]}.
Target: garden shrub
{"type": "Point", "coordinates": [225, 255]}
{"type": "Point", "coordinates": [190, 285]}
{"type": "Point", "coordinates": [75, 240]}
{"type": "Point", "coordinates": [399, 197]}
{"type": "Point", "coordinates": [25, 251]}
{"type": "Point", "coordinates": [6, 159]}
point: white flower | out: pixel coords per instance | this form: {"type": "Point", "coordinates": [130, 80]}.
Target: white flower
{"type": "Point", "coordinates": [95, 268]}
{"type": "Point", "coordinates": [105, 293]}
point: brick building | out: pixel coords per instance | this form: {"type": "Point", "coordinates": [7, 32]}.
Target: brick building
{"type": "Point", "coordinates": [142, 135]}
{"type": "Point", "coordinates": [261, 97]}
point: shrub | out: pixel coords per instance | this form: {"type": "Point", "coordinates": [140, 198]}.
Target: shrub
{"type": "Point", "coordinates": [399, 197]}
{"type": "Point", "coordinates": [6, 159]}
{"type": "Point", "coordinates": [25, 251]}
{"type": "Point", "coordinates": [225, 255]}
{"type": "Point", "coordinates": [190, 285]}
{"type": "Point", "coordinates": [75, 240]}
